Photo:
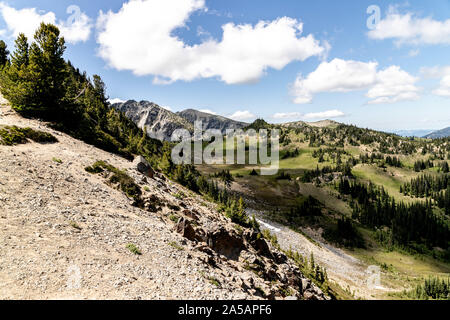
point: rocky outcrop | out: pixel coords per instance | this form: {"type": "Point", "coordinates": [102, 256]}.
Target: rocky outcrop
{"type": "Point", "coordinates": [157, 121]}
{"type": "Point", "coordinates": [211, 121]}
{"type": "Point", "coordinates": [160, 123]}
{"type": "Point", "coordinates": [143, 166]}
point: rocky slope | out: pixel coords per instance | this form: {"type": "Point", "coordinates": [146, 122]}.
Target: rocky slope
{"type": "Point", "coordinates": [159, 122]}
{"type": "Point", "coordinates": [211, 121]}
{"type": "Point", "coordinates": [66, 233]}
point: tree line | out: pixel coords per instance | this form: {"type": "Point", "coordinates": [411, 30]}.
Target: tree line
{"type": "Point", "coordinates": [435, 187]}
{"type": "Point", "coordinates": [409, 225]}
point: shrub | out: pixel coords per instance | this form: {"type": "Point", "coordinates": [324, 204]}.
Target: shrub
{"type": "Point", "coordinates": [133, 249]}
{"type": "Point", "coordinates": [11, 136]}
{"type": "Point", "coordinates": [175, 245]}
{"type": "Point", "coordinates": [126, 183]}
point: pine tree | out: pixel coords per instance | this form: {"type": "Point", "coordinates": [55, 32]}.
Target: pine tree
{"type": "Point", "coordinates": [48, 69]}
{"type": "Point", "coordinates": [20, 57]}
{"type": "Point", "coordinates": [35, 82]}
{"type": "Point", "coordinates": [3, 54]}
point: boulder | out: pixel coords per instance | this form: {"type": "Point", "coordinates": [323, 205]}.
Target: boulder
{"type": "Point", "coordinates": [142, 166]}
{"type": "Point", "coordinates": [225, 242]}
{"type": "Point", "coordinates": [261, 246]}
{"type": "Point", "coordinates": [185, 228]}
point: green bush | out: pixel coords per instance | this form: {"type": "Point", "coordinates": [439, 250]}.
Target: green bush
{"type": "Point", "coordinates": [133, 249]}
{"type": "Point", "coordinates": [120, 177]}
{"type": "Point", "coordinates": [11, 136]}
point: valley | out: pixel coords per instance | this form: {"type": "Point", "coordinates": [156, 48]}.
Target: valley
{"type": "Point", "coordinates": [267, 197]}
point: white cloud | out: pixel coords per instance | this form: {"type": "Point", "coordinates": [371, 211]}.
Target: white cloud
{"type": "Point", "coordinates": [77, 29]}
{"type": "Point", "coordinates": [167, 108]}
{"type": "Point", "coordinates": [335, 76]}
{"type": "Point", "coordinates": [387, 86]}
{"type": "Point", "coordinates": [27, 20]}
{"type": "Point", "coordinates": [208, 111]}
{"type": "Point", "coordinates": [242, 115]}
{"type": "Point", "coordinates": [116, 100]}
{"type": "Point", "coordinates": [393, 85]}
{"type": "Point", "coordinates": [289, 115]}
{"type": "Point", "coordinates": [439, 72]}
{"type": "Point", "coordinates": [444, 87]}
{"type": "Point", "coordinates": [409, 29]}
{"type": "Point", "coordinates": [243, 54]}
{"type": "Point", "coordinates": [324, 115]}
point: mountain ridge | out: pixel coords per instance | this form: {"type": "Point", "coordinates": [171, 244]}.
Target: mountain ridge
{"type": "Point", "coordinates": [211, 121]}
{"type": "Point", "coordinates": [443, 133]}
{"type": "Point", "coordinates": [157, 121]}
{"type": "Point", "coordinates": [160, 123]}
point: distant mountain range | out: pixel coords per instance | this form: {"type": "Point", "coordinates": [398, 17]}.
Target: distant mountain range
{"type": "Point", "coordinates": [439, 134]}
{"type": "Point", "coordinates": [412, 133]}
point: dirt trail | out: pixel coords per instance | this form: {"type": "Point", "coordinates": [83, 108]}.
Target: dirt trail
{"type": "Point", "coordinates": [342, 268]}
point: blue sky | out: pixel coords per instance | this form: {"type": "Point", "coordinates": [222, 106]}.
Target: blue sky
{"type": "Point", "coordinates": [177, 54]}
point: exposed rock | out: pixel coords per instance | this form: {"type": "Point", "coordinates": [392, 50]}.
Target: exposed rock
{"type": "Point", "coordinates": [143, 166]}
{"type": "Point", "coordinates": [191, 214]}
{"type": "Point", "coordinates": [225, 242]}
{"type": "Point", "coordinates": [185, 228]}
{"type": "Point", "coordinates": [159, 122]}
{"type": "Point", "coordinates": [211, 121]}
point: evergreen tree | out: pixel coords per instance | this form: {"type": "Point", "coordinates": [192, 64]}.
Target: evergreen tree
{"type": "Point", "coordinates": [48, 69]}
{"type": "Point", "coordinates": [20, 56]}
{"type": "Point", "coordinates": [3, 54]}
{"type": "Point", "coordinates": [35, 82]}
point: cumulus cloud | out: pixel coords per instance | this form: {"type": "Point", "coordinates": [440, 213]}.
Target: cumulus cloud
{"type": "Point", "coordinates": [387, 86]}
{"type": "Point", "coordinates": [288, 115]}
{"type": "Point", "coordinates": [76, 29]}
{"type": "Point", "coordinates": [410, 29]}
{"type": "Point", "coordinates": [444, 87]}
{"type": "Point", "coordinates": [335, 76]}
{"type": "Point", "coordinates": [330, 114]}
{"type": "Point", "coordinates": [116, 100]}
{"type": "Point", "coordinates": [208, 111]}
{"type": "Point", "coordinates": [139, 37]}
{"type": "Point", "coordinates": [242, 115]}
{"type": "Point", "coordinates": [442, 73]}
{"type": "Point", "coordinates": [393, 85]}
